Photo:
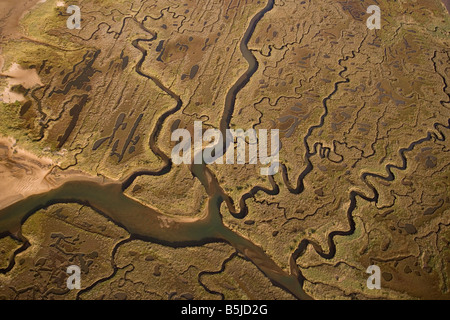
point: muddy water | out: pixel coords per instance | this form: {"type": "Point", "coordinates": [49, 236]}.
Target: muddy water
{"type": "Point", "coordinates": [230, 99]}
{"type": "Point", "coordinates": [148, 224]}
{"type": "Point", "coordinates": [110, 201]}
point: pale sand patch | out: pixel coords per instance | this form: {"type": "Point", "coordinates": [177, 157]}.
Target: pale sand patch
{"type": "Point", "coordinates": [8, 96]}
{"type": "Point", "coordinates": [24, 174]}
{"type": "Point", "coordinates": [11, 12]}
{"type": "Point", "coordinates": [28, 78]}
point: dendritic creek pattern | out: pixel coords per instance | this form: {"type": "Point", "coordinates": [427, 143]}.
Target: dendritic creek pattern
{"type": "Point", "coordinates": [87, 179]}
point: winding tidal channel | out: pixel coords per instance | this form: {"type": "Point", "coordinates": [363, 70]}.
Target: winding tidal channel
{"type": "Point", "coordinates": [145, 223]}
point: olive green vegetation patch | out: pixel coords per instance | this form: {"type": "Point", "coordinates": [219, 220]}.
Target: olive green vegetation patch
{"type": "Point", "coordinates": [12, 125]}
{"type": "Point", "coordinates": [10, 121]}
{"type": "Point", "coordinates": [31, 55]}
{"type": "Point", "coordinates": [48, 23]}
